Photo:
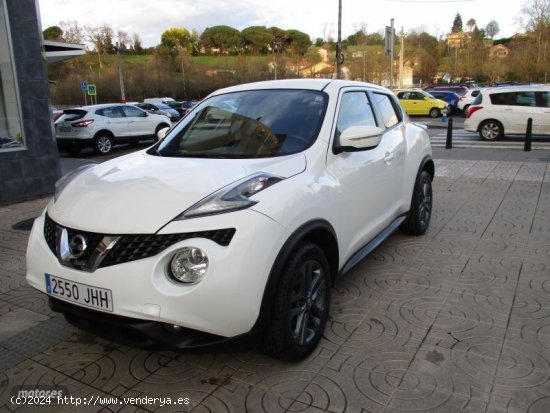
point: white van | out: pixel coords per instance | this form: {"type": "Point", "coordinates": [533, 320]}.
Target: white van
{"type": "Point", "coordinates": [157, 100]}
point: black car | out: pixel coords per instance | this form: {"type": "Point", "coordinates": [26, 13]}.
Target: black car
{"type": "Point", "coordinates": [182, 106]}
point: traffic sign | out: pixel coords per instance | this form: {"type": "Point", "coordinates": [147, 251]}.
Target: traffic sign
{"type": "Point", "coordinates": [83, 85]}
{"type": "Point", "coordinates": [92, 91]}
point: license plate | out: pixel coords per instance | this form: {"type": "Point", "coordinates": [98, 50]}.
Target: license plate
{"type": "Point", "coordinates": [64, 128]}
{"type": "Point", "coordinates": [83, 294]}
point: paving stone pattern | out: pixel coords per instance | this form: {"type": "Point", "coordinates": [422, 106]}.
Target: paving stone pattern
{"type": "Point", "coordinates": [457, 320]}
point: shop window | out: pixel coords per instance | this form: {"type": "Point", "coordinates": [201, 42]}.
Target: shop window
{"type": "Point", "coordinates": [11, 128]}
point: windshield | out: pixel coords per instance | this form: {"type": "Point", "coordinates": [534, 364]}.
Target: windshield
{"type": "Point", "coordinates": [250, 124]}
{"type": "Point", "coordinates": [162, 106]}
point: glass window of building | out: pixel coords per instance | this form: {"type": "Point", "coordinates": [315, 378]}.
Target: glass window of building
{"type": "Point", "coordinates": [11, 128]}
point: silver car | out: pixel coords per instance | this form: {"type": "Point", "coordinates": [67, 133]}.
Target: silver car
{"type": "Point", "coordinates": [103, 126]}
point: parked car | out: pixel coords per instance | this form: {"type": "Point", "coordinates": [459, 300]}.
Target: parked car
{"type": "Point", "coordinates": [159, 108]}
{"type": "Point", "coordinates": [419, 102]}
{"type": "Point", "coordinates": [102, 126]}
{"type": "Point", "coordinates": [458, 89]}
{"type": "Point", "coordinates": [450, 97]}
{"type": "Point", "coordinates": [240, 220]}
{"type": "Point", "coordinates": [505, 110]}
{"type": "Point", "coordinates": [56, 113]}
{"type": "Point", "coordinates": [182, 107]}
{"type": "Point", "coordinates": [159, 100]}
{"type": "Point", "coordinates": [467, 99]}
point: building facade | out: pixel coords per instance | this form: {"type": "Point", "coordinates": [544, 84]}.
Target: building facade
{"type": "Point", "coordinates": [29, 160]}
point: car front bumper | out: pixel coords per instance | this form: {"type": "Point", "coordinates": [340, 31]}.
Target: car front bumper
{"type": "Point", "coordinates": [226, 303]}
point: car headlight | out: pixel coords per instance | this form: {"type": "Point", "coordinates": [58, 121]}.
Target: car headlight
{"type": "Point", "coordinates": [231, 198]}
{"type": "Point", "coordinates": [62, 183]}
{"type": "Point", "coordinates": [188, 265]}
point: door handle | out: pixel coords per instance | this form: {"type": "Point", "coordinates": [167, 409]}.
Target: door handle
{"type": "Point", "coordinates": [388, 157]}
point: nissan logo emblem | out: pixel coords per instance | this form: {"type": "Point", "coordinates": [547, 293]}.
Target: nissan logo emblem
{"type": "Point", "coordinates": [78, 245]}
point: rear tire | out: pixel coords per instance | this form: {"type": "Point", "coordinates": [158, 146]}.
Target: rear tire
{"type": "Point", "coordinates": [420, 213]}
{"type": "Point", "coordinates": [491, 130]}
{"type": "Point", "coordinates": [301, 306]}
{"type": "Point", "coordinates": [103, 144]}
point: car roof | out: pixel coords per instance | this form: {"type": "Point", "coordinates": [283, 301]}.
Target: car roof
{"type": "Point", "coordinates": [99, 106]}
{"type": "Point", "coordinates": [309, 84]}
{"type": "Point", "coordinates": [524, 88]}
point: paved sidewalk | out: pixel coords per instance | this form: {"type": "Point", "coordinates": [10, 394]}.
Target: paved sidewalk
{"type": "Point", "coordinates": [455, 321]}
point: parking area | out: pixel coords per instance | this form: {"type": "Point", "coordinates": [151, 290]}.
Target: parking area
{"type": "Point", "coordinates": [457, 320]}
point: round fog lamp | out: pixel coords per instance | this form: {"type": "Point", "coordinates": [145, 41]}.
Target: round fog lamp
{"type": "Point", "coordinates": [189, 265]}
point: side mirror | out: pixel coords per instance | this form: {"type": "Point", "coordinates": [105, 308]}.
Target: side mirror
{"type": "Point", "coordinates": [357, 138]}
{"type": "Point", "coordinates": [162, 133]}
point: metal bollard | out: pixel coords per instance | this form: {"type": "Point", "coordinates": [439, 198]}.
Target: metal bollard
{"type": "Point", "coordinates": [449, 142]}
{"type": "Point", "coordinates": [527, 147]}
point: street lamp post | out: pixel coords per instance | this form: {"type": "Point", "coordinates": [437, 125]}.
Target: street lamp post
{"type": "Point", "coordinates": [120, 78]}
{"type": "Point", "coordinates": [339, 42]}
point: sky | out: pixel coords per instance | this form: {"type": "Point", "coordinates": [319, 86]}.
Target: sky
{"type": "Point", "coordinates": [318, 18]}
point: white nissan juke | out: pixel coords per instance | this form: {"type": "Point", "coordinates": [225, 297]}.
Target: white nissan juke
{"type": "Point", "coordinates": [240, 220]}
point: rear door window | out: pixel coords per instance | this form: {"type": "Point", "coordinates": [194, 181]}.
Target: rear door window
{"type": "Point", "coordinates": [526, 98]}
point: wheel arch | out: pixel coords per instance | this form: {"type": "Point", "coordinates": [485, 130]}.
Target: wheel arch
{"type": "Point", "coordinates": [104, 132]}
{"type": "Point", "coordinates": [318, 232]}
{"type": "Point", "coordinates": [490, 120]}
{"type": "Point", "coordinates": [427, 165]}
{"type": "Point", "coordinates": [162, 125]}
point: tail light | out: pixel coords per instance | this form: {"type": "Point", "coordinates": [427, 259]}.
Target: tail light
{"type": "Point", "coordinates": [472, 109]}
{"type": "Point", "coordinates": [82, 123]}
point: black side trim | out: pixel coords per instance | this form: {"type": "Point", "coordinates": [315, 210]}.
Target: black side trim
{"type": "Point", "coordinates": [371, 245]}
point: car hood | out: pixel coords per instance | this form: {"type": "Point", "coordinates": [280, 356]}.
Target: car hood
{"type": "Point", "coordinates": [140, 193]}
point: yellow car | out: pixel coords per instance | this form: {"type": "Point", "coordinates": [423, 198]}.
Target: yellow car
{"type": "Point", "coordinates": [419, 102]}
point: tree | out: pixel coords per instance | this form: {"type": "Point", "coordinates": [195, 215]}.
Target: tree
{"type": "Point", "coordinates": [492, 29]}
{"type": "Point", "coordinates": [257, 38]}
{"type": "Point", "coordinates": [136, 44]}
{"type": "Point", "coordinates": [123, 40]}
{"type": "Point", "coordinates": [225, 38]}
{"type": "Point", "coordinates": [278, 39]}
{"type": "Point", "coordinates": [537, 21]}
{"type": "Point", "coordinates": [457, 24]}
{"type": "Point", "coordinates": [175, 39]}
{"type": "Point", "coordinates": [298, 42]}
{"type": "Point", "coordinates": [53, 33]}
{"type": "Point", "coordinates": [471, 23]}
{"type": "Point", "coordinates": [72, 32]}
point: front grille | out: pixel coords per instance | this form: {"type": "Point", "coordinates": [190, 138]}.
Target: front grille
{"type": "Point", "coordinates": [129, 247]}
{"type": "Point", "coordinates": [135, 247]}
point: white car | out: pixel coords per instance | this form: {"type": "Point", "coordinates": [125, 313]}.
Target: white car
{"type": "Point", "coordinates": [501, 111]}
{"type": "Point", "coordinates": [467, 99]}
{"type": "Point", "coordinates": [103, 126]}
{"type": "Point", "coordinates": [240, 220]}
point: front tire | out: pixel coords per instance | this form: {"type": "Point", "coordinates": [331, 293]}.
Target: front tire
{"type": "Point", "coordinates": [103, 144]}
{"type": "Point", "coordinates": [491, 130]}
{"type": "Point", "coordinates": [435, 112]}
{"type": "Point", "coordinates": [301, 306]}
{"type": "Point", "coordinates": [420, 213]}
